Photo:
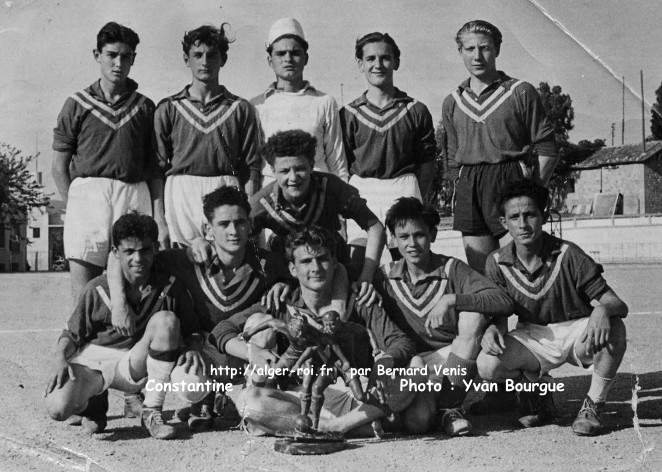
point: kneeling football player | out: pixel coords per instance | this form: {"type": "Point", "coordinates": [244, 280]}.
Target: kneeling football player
{"type": "Point", "coordinates": [552, 282]}
{"type": "Point", "coordinates": [93, 356]}
{"type": "Point", "coordinates": [444, 306]}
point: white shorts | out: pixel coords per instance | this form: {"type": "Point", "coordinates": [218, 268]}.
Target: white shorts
{"type": "Point", "coordinates": [113, 365]}
{"type": "Point", "coordinates": [380, 195]}
{"type": "Point", "coordinates": [553, 344]}
{"type": "Point", "coordinates": [183, 204]}
{"type": "Point", "coordinates": [93, 205]}
{"type": "Point", "coordinates": [435, 358]}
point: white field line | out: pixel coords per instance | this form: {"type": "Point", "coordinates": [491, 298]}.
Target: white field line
{"type": "Point", "coordinates": [35, 330]}
{"type": "Point", "coordinates": [60, 456]}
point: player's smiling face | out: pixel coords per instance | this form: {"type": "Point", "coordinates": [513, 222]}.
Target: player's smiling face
{"type": "Point", "coordinates": [313, 267]}
{"type": "Point", "coordinates": [230, 228]}
{"type": "Point", "coordinates": [205, 62]}
{"type": "Point", "coordinates": [293, 175]}
{"type": "Point", "coordinates": [378, 64]}
{"type": "Point", "coordinates": [136, 257]}
{"type": "Point", "coordinates": [288, 59]}
{"type": "Point", "coordinates": [479, 55]}
{"type": "Point", "coordinates": [115, 61]}
{"type": "Point", "coordinates": [414, 239]}
{"type": "Point", "coordinates": [523, 220]}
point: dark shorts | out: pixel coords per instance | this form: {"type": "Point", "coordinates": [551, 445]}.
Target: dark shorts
{"type": "Point", "coordinates": [476, 200]}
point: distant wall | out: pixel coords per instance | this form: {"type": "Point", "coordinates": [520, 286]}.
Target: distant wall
{"type": "Point", "coordinates": [653, 185]}
{"type": "Point", "coordinates": [635, 239]}
{"type": "Point", "coordinates": [625, 179]}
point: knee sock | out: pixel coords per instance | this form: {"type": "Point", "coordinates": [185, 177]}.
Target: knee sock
{"type": "Point", "coordinates": [159, 366]}
{"type": "Point", "coordinates": [459, 369]}
{"type": "Point", "coordinates": [599, 388]}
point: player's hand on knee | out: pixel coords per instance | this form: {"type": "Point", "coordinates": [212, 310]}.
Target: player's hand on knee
{"type": "Point", "coordinates": [493, 342]}
{"type": "Point", "coordinates": [200, 251]}
{"type": "Point", "coordinates": [440, 312]}
{"type": "Point", "coordinates": [64, 372]}
{"type": "Point", "coordinates": [276, 295]}
{"type": "Point", "coordinates": [597, 331]}
{"type": "Point", "coordinates": [192, 362]}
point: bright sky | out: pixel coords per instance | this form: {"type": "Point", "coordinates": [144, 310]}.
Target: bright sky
{"type": "Point", "coordinates": [46, 52]}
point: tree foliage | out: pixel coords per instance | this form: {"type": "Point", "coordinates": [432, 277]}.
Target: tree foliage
{"type": "Point", "coordinates": [559, 110]}
{"type": "Point", "coordinates": [656, 115]}
{"type": "Point", "coordinates": [18, 190]}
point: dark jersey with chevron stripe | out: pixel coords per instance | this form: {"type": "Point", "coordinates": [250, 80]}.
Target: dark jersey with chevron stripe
{"type": "Point", "coordinates": [561, 289]}
{"type": "Point", "coordinates": [506, 121]}
{"type": "Point", "coordinates": [409, 304]}
{"type": "Point", "coordinates": [329, 198]}
{"type": "Point", "coordinates": [387, 142]}
{"type": "Point", "coordinates": [216, 298]}
{"type": "Point", "coordinates": [220, 137]}
{"type": "Point", "coordinates": [91, 320]}
{"type": "Point", "coordinates": [108, 140]}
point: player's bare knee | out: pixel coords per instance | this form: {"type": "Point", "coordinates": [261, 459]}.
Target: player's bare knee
{"type": "Point", "coordinates": [472, 324]}
{"type": "Point", "coordinates": [488, 366]}
{"type": "Point", "coordinates": [59, 408]}
{"type": "Point", "coordinates": [164, 322]}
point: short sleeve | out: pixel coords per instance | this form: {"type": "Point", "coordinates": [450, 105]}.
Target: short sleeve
{"type": "Point", "coordinates": [541, 132]}
{"type": "Point", "coordinates": [426, 145]}
{"type": "Point", "coordinates": [65, 133]}
{"type": "Point", "coordinates": [589, 276]}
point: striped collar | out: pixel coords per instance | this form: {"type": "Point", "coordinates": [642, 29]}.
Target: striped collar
{"type": "Point", "coordinates": [271, 90]}
{"type": "Point", "coordinates": [252, 263]}
{"type": "Point", "coordinates": [97, 92]}
{"type": "Point", "coordinates": [551, 249]}
{"type": "Point", "coordinates": [185, 94]}
{"type": "Point", "coordinates": [465, 85]}
{"type": "Point", "coordinates": [399, 97]}
{"type": "Point", "coordinates": [398, 270]}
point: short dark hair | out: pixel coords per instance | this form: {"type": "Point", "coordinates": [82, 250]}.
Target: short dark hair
{"type": "Point", "coordinates": [410, 208]}
{"type": "Point", "coordinates": [115, 33]}
{"type": "Point", "coordinates": [314, 236]}
{"type": "Point", "coordinates": [480, 27]}
{"type": "Point", "coordinates": [224, 196]}
{"type": "Point", "coordinates": [302, 42]}
{"type": "Point", "coordinates": [295, 142]}
{"type": "Point", "coordinates": [211, 36]}
{"type": "Point", "coordinates": [376, 37]}
{"type": "Point", "coordinates": [135, 225]}
{"type": "Point", "coordinates": [524, 188]}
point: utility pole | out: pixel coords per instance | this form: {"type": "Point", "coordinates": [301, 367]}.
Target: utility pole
{"type": "Point", "coordinates": [643, 110]}
{"type": "Point", "coordinates": [613, 132]}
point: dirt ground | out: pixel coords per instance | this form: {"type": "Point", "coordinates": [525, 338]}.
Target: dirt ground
{"type": "Point", "coordinates": [33, 308]}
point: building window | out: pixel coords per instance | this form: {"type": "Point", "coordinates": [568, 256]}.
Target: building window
{"type": "Point", "coordinates": [36, 233]}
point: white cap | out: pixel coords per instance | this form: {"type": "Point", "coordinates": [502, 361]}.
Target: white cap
{"type": "Point", "coordinates": [282, 27]}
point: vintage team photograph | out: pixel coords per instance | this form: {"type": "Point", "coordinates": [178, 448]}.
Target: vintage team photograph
{"type": "Point", "coordinates": [330, 235]}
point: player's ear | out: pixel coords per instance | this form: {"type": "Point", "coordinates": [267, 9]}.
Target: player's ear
{"type": "Point", "coordinates": [359, 63]}
{"type": "Point", "coordinates": [396, 64]}
{"type": "Point", "coordinates": [185, 57]}
{"type": "Point", "coordinates": [502, 220]}
{"type": "Point", "coordinates": [305, 61]}
{"type": "Point", "coordinates": [292, 268]}
{"type": "Point", "coordinates": [433, 234]}
{"type": "Point", "coordinates": [96, 54]}
{"type": "Point", "coordinates": [207, 231]}
{"type": "Point", "coordinates": [114, 251]}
